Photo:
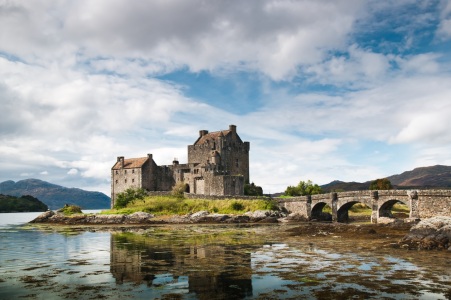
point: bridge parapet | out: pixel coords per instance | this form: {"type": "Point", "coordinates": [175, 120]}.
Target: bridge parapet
{"type": "Point", "coordinates": [393, 193]}
{"type": "Point", "coordinates": [434, 193]}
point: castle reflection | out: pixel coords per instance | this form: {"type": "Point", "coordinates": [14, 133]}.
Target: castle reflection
{"type": "Point", "coordinates": [209, 271]}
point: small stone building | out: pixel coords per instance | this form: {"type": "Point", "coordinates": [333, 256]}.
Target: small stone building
{"type": "Point", "coordinates": [218, 164]}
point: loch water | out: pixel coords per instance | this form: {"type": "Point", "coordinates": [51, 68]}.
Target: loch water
{"type": "Point", "coordinates": [208, 262]}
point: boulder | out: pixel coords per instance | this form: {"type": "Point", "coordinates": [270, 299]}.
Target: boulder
{"type": "Point", "coordinates": [108, 219]}
{"type": "Point", "coordinates": [259, 215]}
{"type": "Point", "coordinates": [43, 217]}
{"type": "Point", "coordinates": [199, 216]}
{"type": "Point", "coordinates": [296, 217]}
{"type": "Point", "coordinates": [138, 217]}
{"type": "Point", "coordinates": [432, 233]}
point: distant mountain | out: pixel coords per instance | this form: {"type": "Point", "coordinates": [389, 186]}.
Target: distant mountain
{"type": "Point", "coordinates": [55, 196]}
{"type": "Point", "coordinates": [438, 177]}
{"type": "Point", "coordinates": [427, 177]}
{"type": "Point", "coordinates": [339, 186]}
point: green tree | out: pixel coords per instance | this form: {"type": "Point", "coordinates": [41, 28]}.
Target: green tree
{"type": "Point", "coordinates": [252, 190]}
{"type": "Point", "coordinates": [303, 188]}
{"type": "Point", "coordinates": [128, 196]}
{"type": "Point", "coordinates": [381, 184]}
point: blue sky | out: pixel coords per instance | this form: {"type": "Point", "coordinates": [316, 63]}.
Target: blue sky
{"type": "Point", "coordinates": [323, 90]}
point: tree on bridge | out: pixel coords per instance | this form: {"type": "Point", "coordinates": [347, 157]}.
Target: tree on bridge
{"type": "Point", "coordinates": [381, 184]}
{"type": "Point", "coordinates": [303, 188]}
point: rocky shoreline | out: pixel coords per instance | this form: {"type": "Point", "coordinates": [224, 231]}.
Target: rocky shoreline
{"type": "Point", "coordinates": [142, 218]}
{"type": "Point", "coordinates": [429, 234]}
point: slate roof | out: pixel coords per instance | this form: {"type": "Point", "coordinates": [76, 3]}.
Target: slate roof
{"type": "Point", "coordinates": [211, 136]}
{"type": "Point", "coordinates": [131, 163]}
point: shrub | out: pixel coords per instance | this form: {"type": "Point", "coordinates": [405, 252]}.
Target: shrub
{"type": "Point", "coordinates": [128, 196]}
{"type": "Point", "coordinates": [252, 190]}
{"type": "Point", "coordinates": [178, 189]}
{"type": "Point", "coordinates": [236, 206]}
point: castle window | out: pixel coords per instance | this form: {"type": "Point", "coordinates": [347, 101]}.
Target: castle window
{"type": "Point", "coordinates": [117, 172]}
{"type": "Point", "coordinates": [133, 180]}
{"type": "Point", "coordinates": [117, 181]}
{"type": "Point", "coordinates": [125, 180]}
{"type": "Point", "coordinates": [125, 171]}
{"type": "Point", "coordinates": [133, 171]}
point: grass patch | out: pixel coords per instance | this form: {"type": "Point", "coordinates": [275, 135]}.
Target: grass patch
{"type": "Point", "coordinates": [400, 208]}
{"type": "Point", "coordinates": [68, 210]}
{"type": "Point", "coordinates": [170, 205]}
{"type": "Point", "coordinates": [360, 209]}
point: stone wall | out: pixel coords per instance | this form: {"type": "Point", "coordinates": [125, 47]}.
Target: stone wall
{"type": "Point", "coordinates": [434, 203]}
{"type": "Point", "coordinates": [299, 205]}
{"type": "Point", "coordinates": [123, 179]}
{"type": "Point", "coordinates": [222, 197]}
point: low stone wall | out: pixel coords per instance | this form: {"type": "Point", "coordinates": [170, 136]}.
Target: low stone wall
{"type": "Point", "coordinates": [159, 193]}
{"type": "Point", "coordinates": [225, 197]}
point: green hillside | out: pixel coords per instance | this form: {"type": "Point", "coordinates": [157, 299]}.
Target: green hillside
{"type": "Point", "coordinates": [20, 204]}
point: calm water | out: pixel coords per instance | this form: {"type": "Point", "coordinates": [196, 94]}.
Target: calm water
{"type": "Point", "coordinates": [208, 262]}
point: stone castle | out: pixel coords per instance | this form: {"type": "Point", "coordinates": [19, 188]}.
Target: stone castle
{"type": "Point", "coordinates": [218, 164]}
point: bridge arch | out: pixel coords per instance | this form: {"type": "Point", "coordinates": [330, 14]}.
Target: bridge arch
{"type": "Point", "coordinates": [343, 211]}
{"type": "Point", "coordinates": [385, 208]}
{"type": "Point", "coordinates": [318, 214]}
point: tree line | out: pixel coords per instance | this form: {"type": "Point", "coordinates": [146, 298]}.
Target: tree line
{"type": "Point", "coordinates": [21, 204]}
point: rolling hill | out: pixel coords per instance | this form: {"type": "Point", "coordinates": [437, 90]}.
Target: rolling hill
{"type": "Point", "coordinates": [55, 196]}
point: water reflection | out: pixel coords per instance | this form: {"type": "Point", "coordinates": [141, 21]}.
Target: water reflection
{"type": "Point", "coordinates": [211, 262]}
{"type": "Point", "coordinates": [208, 271]}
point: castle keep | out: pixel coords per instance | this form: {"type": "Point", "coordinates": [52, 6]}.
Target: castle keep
{"type": "Point", "coordinates": [218, 164]}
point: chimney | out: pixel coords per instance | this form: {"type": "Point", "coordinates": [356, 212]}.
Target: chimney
{"type": "Point", "coordinates": [149, 156]}
{"type": "Point", "coordinates": [232, 128]}
{"type": "Point", "coordinates": [121, 160]}
{"type": "Point", "coordinates": [203, 132]}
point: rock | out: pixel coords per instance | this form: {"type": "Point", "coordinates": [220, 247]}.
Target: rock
{"type": "Point", "coordinates": [217, 218]}
{"type": "Point", "coordinates": [198, 216]}
{"type": "Point", "coordinates": [138, 217]}
{"type": "Point", "coordinates": [238, 219]}
{"type": "Point", "coordinates": [269, 220]}
{"type": "Point", "coordinates": [108, 219]}
{"type": "Point", "coordinates": [259, 215]}
{"type": "Point", "coordinates": [43, 217]}
{"type": "Point", "coordinates": [296, 217]}
{"type": "Point", "coordinates": [432, 233]}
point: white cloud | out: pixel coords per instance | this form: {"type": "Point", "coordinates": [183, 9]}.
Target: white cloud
{"type": "Point", "coordinates": [444, 28]}
{"type": "Point", "coordinates": [270, 36]}
{"type": "Point", "coordinates": [72, 172]}
{"type": "Point", "coordinates": [80, 83]}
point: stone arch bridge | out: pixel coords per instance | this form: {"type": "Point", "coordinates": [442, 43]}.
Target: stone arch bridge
{"type": "Point", "coordinates": [422, 203]}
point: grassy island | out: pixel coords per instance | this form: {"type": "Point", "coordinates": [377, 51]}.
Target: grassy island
{"type": "Point", "coordinates": [174, 205]}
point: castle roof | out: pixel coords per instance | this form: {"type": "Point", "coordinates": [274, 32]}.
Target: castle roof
{"type": "Point", "coordinates": [211, 136]}
{"type": "Point", "coordinates": [131, 163]}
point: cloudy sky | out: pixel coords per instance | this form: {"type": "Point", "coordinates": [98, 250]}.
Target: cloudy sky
{"type": "Point", "coordinates": [323, 90]}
